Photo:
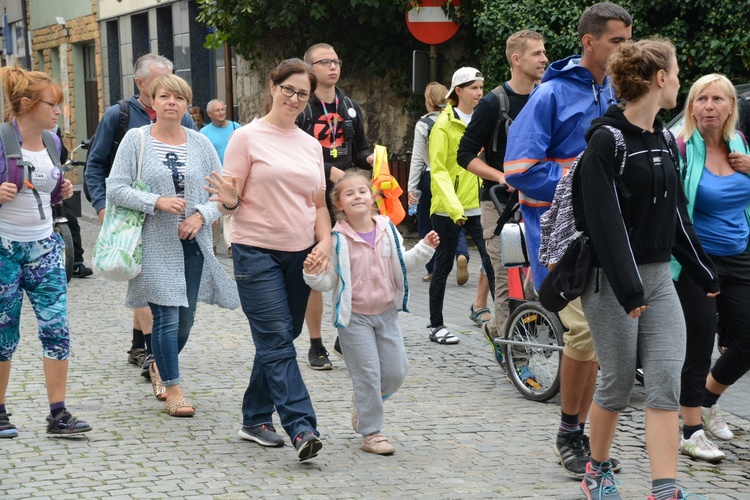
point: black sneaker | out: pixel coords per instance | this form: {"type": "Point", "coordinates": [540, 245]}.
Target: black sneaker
{"type": "Point", "coordinates": [137, 356]}
{"type": "Point", "coordinates": [65, 424]}
{"type": "Point", "coordinates": [308, 445]}
{"type": "Point", "coordinates": [146, 366]}
{"type": "Point", "coordinates": [7, 430]}
{"type": "Point", "coordinates": [263, 434]}
{"type": "Point", "coordinates": [337, 349]}
{"type": "Point", "coordinates": [317, 358]}
{"type": "Point", "coordinates": [614, 463]}
{"type": "Point", "coordinates": [571, 453]}
{"type": "Point", "coordinates": [81, 271]}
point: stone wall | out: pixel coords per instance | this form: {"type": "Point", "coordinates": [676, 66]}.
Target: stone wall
{"type": "Point", "coordinates": [390, 116]}
{"type": "Point", "coordinates": [80, 30]}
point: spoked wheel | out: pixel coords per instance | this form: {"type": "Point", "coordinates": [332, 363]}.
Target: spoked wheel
{"type": "Point", "coordinates": [534, 369]}
{"type": "Point", "coordinates": [64, 231]}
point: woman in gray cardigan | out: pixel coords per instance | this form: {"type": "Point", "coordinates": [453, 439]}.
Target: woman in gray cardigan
{"type": "Point", "coordinates": [179, 267]}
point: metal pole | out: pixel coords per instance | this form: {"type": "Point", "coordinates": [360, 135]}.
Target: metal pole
{"type": "Point", "coordinates": [433, 63]}
{"type": "Point", "coordinates": [229, 88]}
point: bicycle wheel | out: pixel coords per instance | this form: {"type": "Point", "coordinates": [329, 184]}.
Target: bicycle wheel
{"type": "Point", "coordinates": [64, 231]}
{"type": "Point", "coordinates": [535, 371]}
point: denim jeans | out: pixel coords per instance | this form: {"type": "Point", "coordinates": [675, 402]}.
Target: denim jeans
{"type": "Point", "coordinates": [449, 233]}
{"type": "Point", "coordinates": [274, 298]}
{"type": "Point", "coordinates": [172, 324]}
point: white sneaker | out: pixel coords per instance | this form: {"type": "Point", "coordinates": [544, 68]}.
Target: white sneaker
{"type": "Point", "coordinates": [700, 447]}
{"type": "Point", "coordinates": [714, 423]}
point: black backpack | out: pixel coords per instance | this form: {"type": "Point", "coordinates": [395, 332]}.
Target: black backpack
{"type": "Point", "coordinates": [122, 128]}
{"type": "Point", "coordinates": [502, 116]}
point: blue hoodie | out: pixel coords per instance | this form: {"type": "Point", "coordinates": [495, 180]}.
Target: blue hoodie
{"type": "Point", "coordinates": [545, 138]}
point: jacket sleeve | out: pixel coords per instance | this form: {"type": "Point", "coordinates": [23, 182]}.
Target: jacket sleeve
{"type": "Point", "coordinates": [361, 145]}
{"type": "Point", "coordinates": [98, 158]}
{"type": "Point", "coordinates": [417, 256]}
{"type": "Point", "coordinates": [124, 172]}
{"type": "Point", "coordinates": [603, 219]}
{"type": "Point", "coordinates": [417, 165]}
{"type": "Point", "coordinates": [440, 179]}
{"type": "Point", "coordinates": [479, 131]}
{"type": "Point", "coordinates": [688, 250]}
{"type": "Point", "coordinates": [527, 165]}
{"type": "Point", "coordinates": [325, 282]}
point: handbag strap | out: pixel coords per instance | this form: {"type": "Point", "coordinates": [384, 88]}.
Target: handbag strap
{"type": "Point", "coordinates": [140, 154]}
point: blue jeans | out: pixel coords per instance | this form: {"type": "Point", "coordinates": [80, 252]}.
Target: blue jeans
{"type": "Point", "coordinates": [172, 324]}
{"type": "Point", "coordinates": [274, 298]}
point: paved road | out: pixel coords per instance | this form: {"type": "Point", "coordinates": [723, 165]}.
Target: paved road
{"type": "Point", "coordinates": [460, 429]}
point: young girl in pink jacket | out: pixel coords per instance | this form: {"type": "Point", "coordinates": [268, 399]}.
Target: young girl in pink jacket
{"type": "Point", "coordinates": [368, 277]}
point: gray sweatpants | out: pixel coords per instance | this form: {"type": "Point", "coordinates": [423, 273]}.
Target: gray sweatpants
{"type": "Point", "coordinates": [657, 338]}
{"type": "Point", "coordinates": [374, 352]}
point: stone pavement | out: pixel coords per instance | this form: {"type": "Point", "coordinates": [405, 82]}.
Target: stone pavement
{"type": "Point", "coordinates": [460, 429]}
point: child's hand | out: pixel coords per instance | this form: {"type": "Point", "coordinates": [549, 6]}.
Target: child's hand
{"type": "Point", "coordinates": [431, 239]}
{"type": "Point", "coordinates": [310, 265]}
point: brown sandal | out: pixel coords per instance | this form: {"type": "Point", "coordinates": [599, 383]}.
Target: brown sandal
{"type": "Point", "coordinates": [160, 392]}
{"type": "Point", "coordinates": [180, 408]}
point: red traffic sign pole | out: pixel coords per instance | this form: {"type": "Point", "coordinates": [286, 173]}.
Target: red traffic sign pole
{"type": "Point", "coordinates": [429, 24]}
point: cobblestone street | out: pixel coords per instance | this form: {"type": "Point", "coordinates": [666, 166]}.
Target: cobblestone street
{"type": "Point", "coordinates": [460, 429]}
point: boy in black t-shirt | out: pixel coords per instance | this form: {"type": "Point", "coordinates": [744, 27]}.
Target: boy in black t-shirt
{"type": "Point", "coordinates": [527, 58]}
{"type": "Point", "coordinates": [336, 121]}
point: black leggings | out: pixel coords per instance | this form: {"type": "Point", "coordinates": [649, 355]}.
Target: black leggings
{"type": "Point", "coordinates": [445, 253]}
{"type": "Point", "coordinates": [733, 305]}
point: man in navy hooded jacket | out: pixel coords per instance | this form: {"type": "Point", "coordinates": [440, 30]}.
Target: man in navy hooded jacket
{"type": "Point", "coordinates": [543, 141]}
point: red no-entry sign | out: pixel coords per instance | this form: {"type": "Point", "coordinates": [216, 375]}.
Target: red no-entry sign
{"type": "Point", "coordinates": [429, 24]}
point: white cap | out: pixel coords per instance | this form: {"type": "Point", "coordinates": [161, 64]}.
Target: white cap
{"type": "Point", "coordinates": [464, 75]}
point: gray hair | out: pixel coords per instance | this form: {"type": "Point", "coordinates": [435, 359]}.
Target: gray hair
{"type": "Point", "coordinates": [210, 105]}
{"type": "Point", "coordinates": [143, 65]}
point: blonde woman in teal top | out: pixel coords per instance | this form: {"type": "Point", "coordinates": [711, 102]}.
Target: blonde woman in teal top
{"type": "Point", "coordinates": [714, 169]}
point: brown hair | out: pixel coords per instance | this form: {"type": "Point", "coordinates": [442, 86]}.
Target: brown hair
{"type": "Point", "coordinates": [19, 83]}
{"type": "Point", "coordinates": [434, 94]}
{"type": "Point", "coordinates": [284, 70]}
{"type": "Point", "coordinates": [336, 191]}
{"type": "Point", "coordinates": [313, 48]}
{"type": "Point", "coordinates": [722, 84]}
{"type": "Point", "coordinates": [516, 43]}
{"type": "Point", "coordinates": [634, 65]}
{"type": "Point", "coordinates": [595, 19]}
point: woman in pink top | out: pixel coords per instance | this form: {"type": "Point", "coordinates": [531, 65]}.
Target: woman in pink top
{"type": "Point", "coordinates": [273, 185]}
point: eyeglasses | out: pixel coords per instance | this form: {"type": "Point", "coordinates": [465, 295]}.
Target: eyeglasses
{"type": "Point", "coordinates": [302, 95]}
{"type": "Point", "coordinates": [55, 106]}
{"type": "Point", "coordinates": [327, 62]}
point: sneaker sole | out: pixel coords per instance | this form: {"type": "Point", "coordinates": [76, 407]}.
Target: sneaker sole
{"type": "Point", "coordinates": [462, 274]}
{"type": "Point", "coordinates": [67, 434]}
{"type": "Point", "coordinates": [320, 368]}
{"type": "Point", "coordinates": [309, 450]}
{"type": "Point", "coordinates": [560, 461]}
{"type": "Point", "coordinates": [249, 437]}
{"type": "Point", "coordinates": [709, 460]}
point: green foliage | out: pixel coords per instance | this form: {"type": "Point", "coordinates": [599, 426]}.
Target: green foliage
{"type": "Point", "coordinates": [370, 35]}
{"type": "Point", "coordinates": [710, 35]}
